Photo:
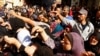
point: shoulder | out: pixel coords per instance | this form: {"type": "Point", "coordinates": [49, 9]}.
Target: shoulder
{"type": "Point", "coordinates": [90, 24]}
{"type": "Point", "coordinates": [23, 32]}
{"type": "Point", "coordinates": [76, 36]}
{"type": "Point", "coordinates": [70, 17]}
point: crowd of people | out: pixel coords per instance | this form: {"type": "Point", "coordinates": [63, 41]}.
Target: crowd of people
{"type": "Point", "coordinates": [56, 31]}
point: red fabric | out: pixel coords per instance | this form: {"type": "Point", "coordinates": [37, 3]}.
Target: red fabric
{"type": "Point", "coordinates": [71, 12]}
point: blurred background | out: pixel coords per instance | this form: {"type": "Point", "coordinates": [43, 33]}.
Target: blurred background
{"type": "Point", "coordinates": [88, 3]}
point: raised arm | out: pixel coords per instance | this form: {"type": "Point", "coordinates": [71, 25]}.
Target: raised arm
{"type": "Point", "coordinates": [58, 14]}
{"type": "Point", "coordinates": [27, 20]}
{"type": "Point", "coordinates": [64, 19]}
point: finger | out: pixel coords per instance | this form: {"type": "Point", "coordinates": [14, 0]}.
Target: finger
{"type": "Point", "coordinates": [34, 36]}
{"type": "Point", "coordinates": [34, 29]}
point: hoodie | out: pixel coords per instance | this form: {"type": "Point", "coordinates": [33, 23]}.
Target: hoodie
{"type": "Point", "coordinates": [77, 43]}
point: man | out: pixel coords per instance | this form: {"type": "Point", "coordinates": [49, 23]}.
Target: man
{"type": "Point", "coordinates": [82, 26]}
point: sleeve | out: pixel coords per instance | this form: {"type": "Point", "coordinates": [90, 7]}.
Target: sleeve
{"type": "Point", "coordinates": [24, 38]}
{"type": "Point", "coordinates": [50, 43]}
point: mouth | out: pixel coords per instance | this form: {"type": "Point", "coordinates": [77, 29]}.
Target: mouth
{"type": "Point", "coordinates": [94, 42]}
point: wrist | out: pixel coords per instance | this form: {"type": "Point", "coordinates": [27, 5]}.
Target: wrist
{"type": "Point", "coordinates": [44, 36]}
{"type": "Point", "coordinates": [42, 32]}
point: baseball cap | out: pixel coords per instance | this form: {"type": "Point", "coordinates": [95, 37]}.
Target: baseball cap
{"type": "Point", "coordinates": [83, 11]}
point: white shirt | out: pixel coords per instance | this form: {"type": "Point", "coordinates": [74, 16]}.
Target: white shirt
{"type": "Point", "coordinates": [24, 37]}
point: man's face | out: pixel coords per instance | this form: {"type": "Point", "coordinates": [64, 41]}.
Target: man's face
{"type": "Point", "coordinates": [66, 44]}
{"type": "Point", "coordinates": [81, 17]}
{"type": "Point", "coordinates": [65, 11]}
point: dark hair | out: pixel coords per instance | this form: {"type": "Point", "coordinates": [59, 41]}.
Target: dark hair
{"type": "Point", "coordinates": [3, 31]}
{"type": "Point", "coordinates": [43, 50]}
{"type": "Point", "coordinates": [16, 23]}
{"type": "Point", "coordinates": [97, 34]}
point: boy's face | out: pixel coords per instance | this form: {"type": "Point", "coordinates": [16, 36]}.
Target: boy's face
{"type": "Point", "coordinates": [66, 44]}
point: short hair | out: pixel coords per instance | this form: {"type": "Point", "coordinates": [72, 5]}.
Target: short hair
{"type": "Point", "coordinates": [97, 36]}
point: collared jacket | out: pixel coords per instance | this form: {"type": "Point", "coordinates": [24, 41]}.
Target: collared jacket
{"type": "Point", "coordinates": [77, 27]}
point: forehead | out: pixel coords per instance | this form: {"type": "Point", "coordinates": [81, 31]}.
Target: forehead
{"type": "Point", "coordinates": [65, 8]}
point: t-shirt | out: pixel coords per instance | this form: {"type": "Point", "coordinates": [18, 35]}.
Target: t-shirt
{"type": "Point", "coordinates": [24, 37]}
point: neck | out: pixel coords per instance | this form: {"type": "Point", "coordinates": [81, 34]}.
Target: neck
{"type": "Point", "coordinates": [67, 15]}
{"type": "Point", "coordinates": [83, 22]}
